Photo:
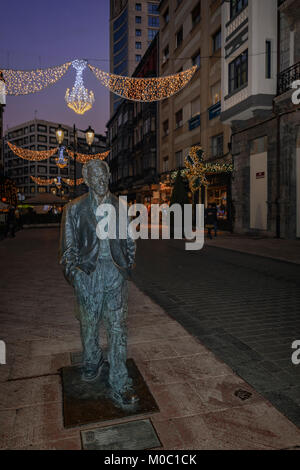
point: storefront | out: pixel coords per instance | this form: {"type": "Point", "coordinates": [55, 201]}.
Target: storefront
{"type": "Point", "coordinates": [218, 192]}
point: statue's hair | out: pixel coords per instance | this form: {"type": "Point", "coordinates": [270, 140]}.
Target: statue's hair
{"type": "Point", "coordinates": [93, 164]}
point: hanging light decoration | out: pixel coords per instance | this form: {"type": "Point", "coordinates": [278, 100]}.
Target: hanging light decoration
{"type": "Point", "coordinates": [79, 99]}
{"type": "Point", "coordinates": [33, 155]}
{"type": "Point", "coordinates": [144, 89]}
{"type": "Point", "coordinates": [195, 169]}
{"type": "Point", "coordinates": [61, 160]}
{"type": "Point", "coordinates": [22, 82]}
{"type": "Point", "coordinates": [70, 182]}
{"type": "Point", "coordinates": [42, 181]}
{"type": "Point", "coordinates": [84, 158]}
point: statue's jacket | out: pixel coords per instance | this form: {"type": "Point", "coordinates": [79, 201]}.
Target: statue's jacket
{"type": "Point", "coordinates": [80, 245]}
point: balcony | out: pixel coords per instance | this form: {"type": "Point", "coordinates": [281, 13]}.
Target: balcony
{"type": "Point", "coordinates": [194, 122]}
{"type": "Point", "coordinates": [287, 77]}
{"type": "Point", "coordinates": [214, 111]}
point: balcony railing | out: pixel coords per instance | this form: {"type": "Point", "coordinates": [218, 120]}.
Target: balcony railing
{"type": "Point", "coordinates": [287, 77]}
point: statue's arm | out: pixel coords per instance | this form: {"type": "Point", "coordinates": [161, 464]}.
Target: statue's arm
{"type": "Point", "coordinates": [131, 247]}
{"type": "Point", "coordinates": [68, 253]}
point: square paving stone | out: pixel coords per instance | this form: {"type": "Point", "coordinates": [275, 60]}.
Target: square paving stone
{"type": "Point", "coordinates": [135, 435]}
{"type": "Point", "coordinates": [90, 402]}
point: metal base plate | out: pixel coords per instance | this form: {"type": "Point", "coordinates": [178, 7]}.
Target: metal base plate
{"type": "Point", "coordinates": [90, 402]}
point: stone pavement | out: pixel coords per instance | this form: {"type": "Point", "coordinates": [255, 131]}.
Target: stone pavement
{"type": "Point", "coordinates": [284, 250]}
{"type": "Point", "coordinates": [195, 391]}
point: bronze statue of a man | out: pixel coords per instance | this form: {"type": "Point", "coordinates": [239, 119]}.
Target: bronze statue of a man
{"type": "Point", "coordinates": [98, 269]}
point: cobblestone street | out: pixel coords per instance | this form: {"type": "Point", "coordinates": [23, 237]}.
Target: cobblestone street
{"type": "Point", "coordinates": [243, 307]}
{"type": "Point", "coordinates": [238, 311]}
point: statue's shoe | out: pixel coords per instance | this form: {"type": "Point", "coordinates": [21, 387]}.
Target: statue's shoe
{"type": "Point", "coordinates": [92, 372]}
{"type": "Point", "coordinates": [125, 398]}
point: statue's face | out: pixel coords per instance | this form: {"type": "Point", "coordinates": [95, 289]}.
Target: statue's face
{"type": "Point", "coordinates": [98, 179]}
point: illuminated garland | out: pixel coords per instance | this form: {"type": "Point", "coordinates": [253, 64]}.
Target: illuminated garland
{"type": "Point", "coordinates": [33, 155]}
{"type": "Point", "coordinates": [80, 100]}
{"type": "Point", "coordinates": [22, 82]}
{"type": "Point", "coordinates": [41, 181]}
{"type": "Point", "coordinates": [49, 181]}
{"type": "Point", "coordinates": [84, 158]}
{"type": "Point", "coordinates": [70, 182]}
{"type": "Point", "coordinates": [144, 89]}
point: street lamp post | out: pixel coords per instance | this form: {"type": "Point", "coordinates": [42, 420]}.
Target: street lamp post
{"type": "Point", "coordinates": [89, 135]}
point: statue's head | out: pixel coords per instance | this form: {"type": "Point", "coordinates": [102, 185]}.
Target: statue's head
{"type": "Point", "coordinates": [96, 176]}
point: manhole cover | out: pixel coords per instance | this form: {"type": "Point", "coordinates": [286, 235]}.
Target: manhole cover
{"type": "Point", "coordinates": [242, 394]}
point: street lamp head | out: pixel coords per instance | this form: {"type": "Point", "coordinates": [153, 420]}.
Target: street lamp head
{"type": "Point", "coordinates": [89, 135]}
{"type": "Point", "coordinates": [59, 134]}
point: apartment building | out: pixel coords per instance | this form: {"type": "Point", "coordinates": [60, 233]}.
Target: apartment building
{"type": "Point", "coordinates": [133, 25]}
{"type": "Point", "coordinates": [132, 136]}
{"type": "Point", "coordinates": [261, 43]}
{"type": "Point", "coordinates": [191, 34]}
{"type": "Point", "coordinates": [39, 134]}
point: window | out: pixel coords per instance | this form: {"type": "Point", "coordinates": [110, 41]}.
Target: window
{"type": "Point", "coordinates": [196, 60]}
{"type": "Point", "coordinates": [215, 92]}
{"type": "Point", "coordinates": [52, 130]}
{"type": "Point", "coordinates": [138, 32]}
{"type": "Point", "coordinates": [32, 128]}
{"type": "Point", "coordinates": [217, 145]}
{"type": "Point", "coordinates": [238, 72]}
{"type": "Point", "coordinates": [268, 59]}
{"type": "Point", "coordinates": [165, 164]}
{"type": "Point", "coordinates": [179, 37]}
{"type": "Point", "coordinates": [138, 19]}
{"type": "Point", "coordinates": [41, 147]}
{"type": "Point", "coordinates": [138, 7]}
{"type": "Point", "coordinates": [138, 45]}
{"type": "Point", "coordinates": [53, 170]}
{"type": "Point", "coordinates": [236, 6]}
{"type": "Point", "coordinates": [166, 127]}
{"type": "Point", "coordinates": [166, 16]}
{"type": "Point", "coordinates": [179, 159]}
{"type": "Point", "coordinates": [195, 107]}
{"type": "Point", "coordinates": [151, 34]}
{"type": "Point", "coordinates": [42, 189]}
{"type": "Point", "coordinates": [178, 119]}
{"type": "Point", "coordinates": [138, 57]}
{"type": "Point", "coordinates": [42, 169]}
{"type": "Point", "coordinates": [165, 53]}
{"type": "Point", "coordinates": [153, 8]}
{"type": "Point", "coordinates": [41, 128]}
{"type": "Point", "coordinates": [217, 41]}
{"type": "Point", "coordinates": [196, 14]}
{"type": "Point", "coordinates": [153, 21]}
{"type": "Point", "coordinates": [42, 138]}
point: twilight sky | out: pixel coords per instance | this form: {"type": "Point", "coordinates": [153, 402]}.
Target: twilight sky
{"type": "Point", "coordinates": [43, 33]}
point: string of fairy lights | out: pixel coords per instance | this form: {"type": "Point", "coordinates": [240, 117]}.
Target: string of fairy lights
{"type": "Point", "coordinates": [32, 155]}
{"type": "Point", "coordinates": [84, 158]}
{"type": "Point", "coordinates": [144, 89]}
{"type": "Point", "coordinates": [49, 181]}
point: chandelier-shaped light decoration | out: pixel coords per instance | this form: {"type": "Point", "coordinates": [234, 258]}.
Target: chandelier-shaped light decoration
{"type": "Point", "coordinates": [61, 160]}
{"type": "Point", "coordinates": [22, 82]}
{"type": "Point", "coordinates": [79, 99]}
{"type": "Point", "coordinates": [84, 158]}
{"type": "Point", "coordinates": [57, 181]}
{"type": "Point", "coordinates": [33, 155]}
{"type": "Point", "coordinates": [144, 89]}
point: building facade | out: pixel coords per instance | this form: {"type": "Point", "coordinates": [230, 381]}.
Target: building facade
{"type": "Point", "coordinates": [190, 34]}
{"type": "Point", "coordinates": [132, 136]}
{"type": "Point", "coordinates": [133, 25]}
{"type": "Point", "coordinates": [40, 135]}
{"type": "Point", "coordinates": [262, 54]}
